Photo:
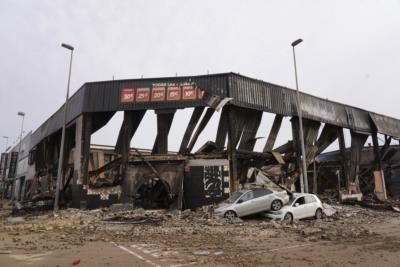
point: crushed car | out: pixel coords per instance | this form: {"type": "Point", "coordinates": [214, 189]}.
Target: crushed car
{"type": "Point", "coordinates": [301, 206]}
{"type": "Point", "coordinates": [252, 201]}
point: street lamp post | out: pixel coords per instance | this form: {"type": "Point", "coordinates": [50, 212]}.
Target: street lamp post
{"type": "Point", "coordinates": [22, 114]}
{"type": "Point", "coordinates": [303, 176]}
{"type": "Point", "coordinates": [6, 137]}
{"type": "Point", "coordinates": [61, 155]}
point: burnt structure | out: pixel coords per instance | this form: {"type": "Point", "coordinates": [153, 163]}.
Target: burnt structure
{"type": "Point", "coordinates": [187, 178]}
{"type": "Point", "coordinates": [329, 165]}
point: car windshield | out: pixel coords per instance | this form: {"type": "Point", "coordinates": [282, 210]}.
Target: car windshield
{"type": "Point", "coordinates": [292, 200]}
{"type": "Point", "coordinates": [235, 196]}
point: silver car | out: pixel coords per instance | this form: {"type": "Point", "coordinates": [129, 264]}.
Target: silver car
{"type": "Point", "coordinates": [251, 201]}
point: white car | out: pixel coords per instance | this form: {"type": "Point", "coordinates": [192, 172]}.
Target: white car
{"type": "Point", "coordinates": [300, 206]}
{"type": "Point", "coordinates": [252, 201]}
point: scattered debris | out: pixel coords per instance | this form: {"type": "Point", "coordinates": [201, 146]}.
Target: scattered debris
{"type": "Point", "coordinates": [15, 220]}
{"type": "Point", "coordinates": [328, 210]}
{"type": "Point", "coordinates": [121, 207]}
{"type": "Point", "coordinates": [237, 220]}
{"type": "Point", "coordinates": [202, 253]}
{"type": "Point", "coordinates": [131, 220]}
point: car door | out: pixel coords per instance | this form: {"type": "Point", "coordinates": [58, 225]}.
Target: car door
{"type": "Point", "coordinates": [311, 205]}
{"type": "Point", "coordinates": [262, 199]}
{"type": "Point", "coordinates": [245, 205]}
{"type": "Point", "coordinates": [299, 208]}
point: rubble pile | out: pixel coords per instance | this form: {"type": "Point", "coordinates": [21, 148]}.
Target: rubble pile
{"type": "Point", "coordinates": [348, 222]}
{"type": "Point", "coordinates": [72, 227]}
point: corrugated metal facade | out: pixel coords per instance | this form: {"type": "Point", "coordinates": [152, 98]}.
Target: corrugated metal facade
{"type": "Point", "coordinates": [248, 92]}
{"type": "Point", "coordinates": [105, 96]}
{"type": "Point", "coordinates": [245, 91]}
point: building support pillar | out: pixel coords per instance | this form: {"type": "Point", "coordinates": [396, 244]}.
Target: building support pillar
{"type": "Point", "coordinates": [357, 143]}
{"type": "Point", "coordinates": [252, 122]}
{"type": "Point", "coordinates": [164, 122]}
{"type": "Point", "coordinates": [85, 146]}
{"type": "Point", "coordinates": [194, 119]}
{"type": "Point", "coordinates": [343, 157]}
{"type": "Point", "coordinates": [379, 175]}
{"type": "Point", "coordinates": [276, 126]}
{"type": "Point", "coordinates": [200, 128]}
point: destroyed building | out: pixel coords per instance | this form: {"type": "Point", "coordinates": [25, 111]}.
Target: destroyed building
{"type": "Point", "coordinates": [329, 166]}
{"type": "Point", "coordinates": [96, 176]}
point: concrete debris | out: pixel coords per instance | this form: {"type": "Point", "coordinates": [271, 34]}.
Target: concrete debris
{"type": "Point", "coordinates": [328, 210]}
{"type": "Point", "coordinates": [201, 233]}
{"type": "Point", "coordinates": [202, 253]}
{"type": "Point", "coordinates": [237, 220]}
{"type": "Point", "coordinates": [121, 207]}
{"type": "Point", "coordinates": [207, 253]}
{"type": "Point", "coordinates": [13, 220]}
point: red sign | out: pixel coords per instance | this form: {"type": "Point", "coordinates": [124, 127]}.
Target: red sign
{"type": "Point", "coordinates": [174, 93]}
{"type": "Point", "coordinates": [158, 94]}
{"type": "Point", "coordinates": [142, 94]}
{"type": "Point", "coordinates": [189, 92]}
{"type": "Point", "coordinates": [127, 95]}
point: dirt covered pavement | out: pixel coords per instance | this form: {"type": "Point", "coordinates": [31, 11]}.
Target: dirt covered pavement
{"type": "Point", "coordinates": [354, 236]}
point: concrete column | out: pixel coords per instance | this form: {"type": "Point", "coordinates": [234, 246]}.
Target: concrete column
{"type": "Point", "coordinates": [78, 150]}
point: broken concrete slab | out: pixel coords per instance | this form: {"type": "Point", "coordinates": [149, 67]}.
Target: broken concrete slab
{"type": "Point", "coordinates": [13, 220]}
{"type": "Point", "coordinates": [201, 253]}
{"type": "Point", "coordinates": [328, 210]}
{"type": "Point", "coordinates": [121, 207]}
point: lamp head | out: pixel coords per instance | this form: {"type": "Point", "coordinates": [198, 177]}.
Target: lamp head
{"type": "Point", "coordinates": [67, 46]}
{"type": "Point", "coordinates": [297, 42]}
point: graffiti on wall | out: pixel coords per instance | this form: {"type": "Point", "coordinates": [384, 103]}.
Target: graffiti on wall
{"type": "Point", "coordinates": [214, 177]}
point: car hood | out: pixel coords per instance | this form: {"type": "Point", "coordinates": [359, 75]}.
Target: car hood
{"type": "Point", "coordinates": [223, 206]}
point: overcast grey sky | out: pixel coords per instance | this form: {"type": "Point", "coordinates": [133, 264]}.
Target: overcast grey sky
{"type": "Point", "coordinates": [350, 52]}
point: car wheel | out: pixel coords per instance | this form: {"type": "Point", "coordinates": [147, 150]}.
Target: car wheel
{"type": "Point", "coordinates": [318, 214]}
{"type": "Point", "coordinates": [230, 214]}
{"type": "Point", "coordinates": [288, 218]}
{"type": "Point", "coordinates": [276, 205]}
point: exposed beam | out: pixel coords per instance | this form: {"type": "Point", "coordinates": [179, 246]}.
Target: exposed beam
{"type": "Point", "coordinates": [252, 122]}
{"type": "Point", "coordinates": [87, 132]}
{"type": "Point", "coordinates": [194, 119]}
{"type": "Point", "coordinates": [233, 165]}
{"type": "Point", "coordinates": [131, 122]}
{"type": "Point", "coordinates": [328, 136]}
{"type": "Point", "coordinates": [343, 157]}
{"type": "Point", "coordinates": [276, 126]}
{"type": "Point", "coordinates": [237, 119]}
{"type": "Point", "coordinates": [222, 129]}
{"type": "Point", "coordinates": [357, 143]}
{"type": "Point", "coordinates": [200, 128]}
{"type": "Point", "coordinates": [379, 166]}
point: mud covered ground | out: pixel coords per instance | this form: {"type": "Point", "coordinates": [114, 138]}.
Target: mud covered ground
{"type": "Point", "coordinates": [354, 236]}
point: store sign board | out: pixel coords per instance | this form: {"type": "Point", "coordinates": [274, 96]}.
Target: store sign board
{"type": "Point", "coordinates": [127, 95]}
{"type": "Point", "coordinates": [159, 92]}
{"type": "Point", "coordinates": [142, 94]}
